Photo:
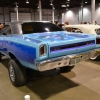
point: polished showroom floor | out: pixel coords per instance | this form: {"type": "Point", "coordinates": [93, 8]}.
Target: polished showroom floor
{"type": "Point", "coordinates": [82, 83]}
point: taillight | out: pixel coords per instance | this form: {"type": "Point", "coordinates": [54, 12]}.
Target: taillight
{"type": "Point", "coordinates": [42, 50]}
{"type": "Point", "coordinates": [97, 40]}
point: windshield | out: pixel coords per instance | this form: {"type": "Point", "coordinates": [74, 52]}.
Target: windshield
{"type": "Point", "coordinates": [38, 27]}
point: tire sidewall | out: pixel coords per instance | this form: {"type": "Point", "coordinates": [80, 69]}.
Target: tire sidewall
{"type": "Point", "coordinates": [11, 63]}
{"type": "Point", "coordinates": [20, 78]}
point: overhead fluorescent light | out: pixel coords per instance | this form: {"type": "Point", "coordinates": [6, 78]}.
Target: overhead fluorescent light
{"type": "Point", "coordinates": [66, 8]}
{"type": "Point", "coordinates": [27, 1]}
{"type": "Point", "coordinates": [68, 0]}
{"type": "Point", "coordinates": [38, 7]}
{"type": "Point", "coordinates": [67, 5]}
{"type": "Point", "coordinates": [51, 4]}
{"type": "Point", "coordinates": [53, 7]}
{"type": "Point", "coordinates": [63, 5]}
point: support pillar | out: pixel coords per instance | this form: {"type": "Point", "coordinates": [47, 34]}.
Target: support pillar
{"type": "Point", "coordinates": [92, 11]}
{"type": "Point", "coordinates": [40, 11]}
{"type": "Point", "coordinates": [17, 11]}
{"type": "Point", "coordinates": [53, 15]}
{"type": "Point", "coordinates": [82, 10]}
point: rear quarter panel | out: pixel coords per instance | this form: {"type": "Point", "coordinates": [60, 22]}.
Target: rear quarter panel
{"type": "Point", "coordinates": [23, 49]}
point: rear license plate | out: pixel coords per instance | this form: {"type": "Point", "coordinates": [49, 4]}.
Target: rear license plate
{"type": "Point", "coordinates": [79, 58]}
{"type": "Point", "coordinates": [75, 60]}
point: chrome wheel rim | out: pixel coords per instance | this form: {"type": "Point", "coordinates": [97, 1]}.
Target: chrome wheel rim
{"type": "Point", "coordinates": [12, 73]}
{"type": "Point", "coordinates": [93, 58]}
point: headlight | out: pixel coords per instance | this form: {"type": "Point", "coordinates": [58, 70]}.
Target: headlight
{"type": "Point", "coordinates": [43, 50]}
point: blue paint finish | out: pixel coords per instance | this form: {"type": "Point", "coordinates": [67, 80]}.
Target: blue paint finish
{"type": "Point", "coordinates": [3, 47]}
{"type": "Point", "coordinates": [29, 65]}
{"type": "Point", "coordinates": [78, 35]}
{"type": "Point", "coordinates": [26, 47]}
{"type": "Point", "coordinates": [25, 38]}
{"type": "Point", "coordinates": [32, 40]}
{"type": "Point", "coordinates": [22, 52]}
{"type": "Point", "coordinates": [55, 36]}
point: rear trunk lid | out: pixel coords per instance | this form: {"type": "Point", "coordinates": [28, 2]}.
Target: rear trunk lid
{"type": "Point", "coordinates": [62, 43]}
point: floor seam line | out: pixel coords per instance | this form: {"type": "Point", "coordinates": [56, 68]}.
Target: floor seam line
{"type": "Point", "coordinates": [3, 94]}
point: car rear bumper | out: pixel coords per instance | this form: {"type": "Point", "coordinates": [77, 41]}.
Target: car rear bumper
{"type": "Point", "coordinates": [68, 60]}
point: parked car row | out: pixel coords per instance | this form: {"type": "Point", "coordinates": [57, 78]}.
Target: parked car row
{"type": "Point", "coordinates": [42, 46]}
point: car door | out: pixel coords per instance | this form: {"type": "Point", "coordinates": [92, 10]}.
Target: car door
{"type": "Point", "coordinates": [4, 34]}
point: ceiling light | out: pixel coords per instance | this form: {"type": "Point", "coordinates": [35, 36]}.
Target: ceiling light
{"type": "Point", "coordinates": [66, 8]}
{"type": "Point", "coordinates": [51, 4]}
{"type": "Point", "coordinates": [53, 7]}
{"type": "Point", "coordinates": [63, 5]}
{"type": "Point", "coordinates": [38, 7]}
{"type": "Point", "coordinates": [68, 0]}
{"type": "Point", "coordinates": [67, 5]}
{"type": "Point", "coordinates": [86, 2]}
{"type": "Point", "coordinates": [27, 1]}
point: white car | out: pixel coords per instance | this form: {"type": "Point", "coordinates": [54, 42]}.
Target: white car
{"type": "Point", "coordinates": [84, 28]}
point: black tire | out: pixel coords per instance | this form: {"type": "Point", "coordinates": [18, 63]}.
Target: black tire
{"type": "Point", "coordinates": [17, 73]}
{"type": "Point", "coordinates": [66, 68]}
{"type": "Point", "coordinates": [95, 58]}
{"type": "Point", "coordinates": [0, 57]}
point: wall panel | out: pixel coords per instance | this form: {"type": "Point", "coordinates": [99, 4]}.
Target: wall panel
{"type": "Point", "coordinates": [22, 17]}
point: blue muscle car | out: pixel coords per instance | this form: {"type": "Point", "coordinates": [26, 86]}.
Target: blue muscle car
{"type": "Point", "coordinates": [42, 46]}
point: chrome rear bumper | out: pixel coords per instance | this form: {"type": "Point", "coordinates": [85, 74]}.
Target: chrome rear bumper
{"type": "Point", "coordinates": [68, 60]}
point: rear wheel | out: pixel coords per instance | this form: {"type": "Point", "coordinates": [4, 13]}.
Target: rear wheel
{"type": "Point", "coordinates": [66, 68]}
{"type": "Point", "coordinates": [17, 73]}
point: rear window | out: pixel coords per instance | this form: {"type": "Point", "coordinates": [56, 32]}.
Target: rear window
{"type": "Point", "coordinates": [38, 27]}
{"type": "Point", "coordinates": [97, 31]}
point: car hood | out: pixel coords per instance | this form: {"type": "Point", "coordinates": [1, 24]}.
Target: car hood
{"type": "Point", "coordinates": [54, 37]}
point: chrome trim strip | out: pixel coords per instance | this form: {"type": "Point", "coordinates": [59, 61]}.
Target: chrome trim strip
{"type": "Point", "coordinates": [68, 46]}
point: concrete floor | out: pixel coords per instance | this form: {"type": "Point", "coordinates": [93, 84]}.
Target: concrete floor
{"type": "Point", "coordinates": [82, 83]}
